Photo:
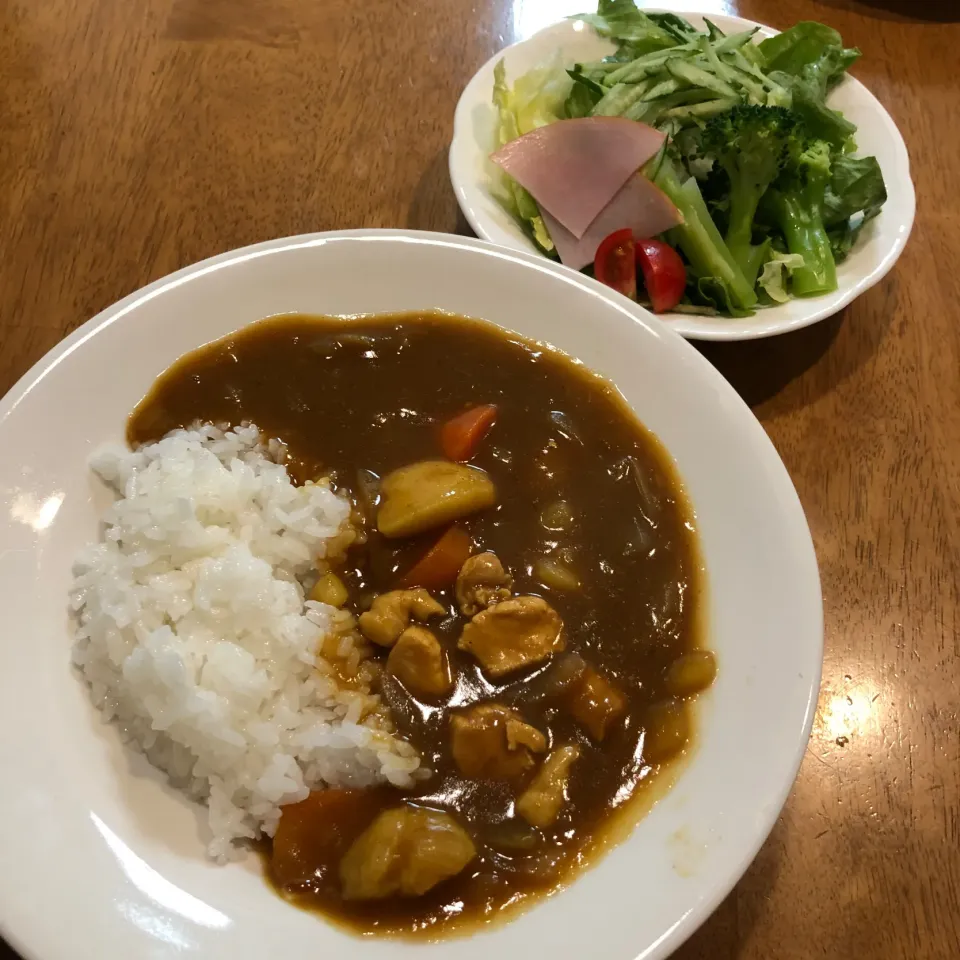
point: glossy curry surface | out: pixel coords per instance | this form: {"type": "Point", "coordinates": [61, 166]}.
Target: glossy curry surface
{"type": "Point", "coordinates": [356, 399]}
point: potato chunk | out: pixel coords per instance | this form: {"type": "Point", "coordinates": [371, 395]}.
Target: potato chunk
{"type": "Point", "coordinates": [482, 581]}
{"type": "Point", "coordinates": [667, 730]}
{"type": "Point", "coordinates": [391, 613]}
{"type": "Point", "coordinates": [417, 660]}
{"type": "Point", "coordinates": [595, 703]}
{"type": "Point", "coordinates": [330, 589]}
{"type": "Point", "coordinates": [405, 851]}
{"type": "Point", "coordinates": [493, 742]}
{"type": "Point", "coordinates": [431, 494]}
{"type": "Point", "coordinates": [691, 673]}
{"type": "Point", "coordinates": [540, 803]}
{"type": "Point", "coordinates": [513, 634]}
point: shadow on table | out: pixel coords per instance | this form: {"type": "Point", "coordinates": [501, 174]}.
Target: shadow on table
{"type": "Point", "coordinates": [759, 369]}
{"type": "Point", "coordinates": [824, 354]}
{"type": "Point", "coordinates": [434, 205]}
{"type": "Point", "coordinates": [913, 11]}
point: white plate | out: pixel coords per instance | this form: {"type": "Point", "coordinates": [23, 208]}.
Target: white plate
{"type": "Point", "coordinates": [878, 247]}
{"type": "Point", "coordinates": [102, 860]}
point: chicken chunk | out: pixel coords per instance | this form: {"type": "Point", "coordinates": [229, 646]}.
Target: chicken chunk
{"type": "Point", "coordinates": [540, 803]}
{"type": "Point", "coordinates": [482, 581]}
{"type": "Point", "coordinates": [418, 661]}
{"type": "Point", "coordinates": [391, 613]}
{"type": "Point", "coordinates": [595, 703]}
{"type": "Point", "coordinates": [431, 494]}
{"type": "Point", "coordinates": [513, 634]}
{"type": "Point", "coordinates": [405, 851]}
{"type": "Point", "coordinates": [493, 742]}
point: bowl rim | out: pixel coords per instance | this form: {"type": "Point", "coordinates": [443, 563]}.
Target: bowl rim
{"type": "Point", "coordinates": [17, 933]}
{"type": "Point", "coordinates": [463, 148]}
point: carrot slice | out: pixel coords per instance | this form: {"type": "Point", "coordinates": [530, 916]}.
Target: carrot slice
{"type": "Point", "coordinates": [461, 436]}
{"type": "Point", "coordinates": [314, 834]}
{"type": "Point", "coordinates": [439, 566]}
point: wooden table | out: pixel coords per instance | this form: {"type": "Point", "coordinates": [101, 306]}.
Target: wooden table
{"type": "Point", "coordinates": [138, 137]}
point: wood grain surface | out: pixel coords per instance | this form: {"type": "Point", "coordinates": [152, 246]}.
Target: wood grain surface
{"type": "Point", "coordinates": [138, 137]}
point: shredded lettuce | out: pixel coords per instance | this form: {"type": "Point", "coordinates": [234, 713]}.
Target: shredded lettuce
{"type": "Point", "coordinates": [776, 273]}
{"type": "Point", "coordinates": [536, 99]}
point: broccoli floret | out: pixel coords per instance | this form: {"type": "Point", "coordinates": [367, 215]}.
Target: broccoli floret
{"type": "Point", "coordinates": [751, 143]}
{"type": "Point", "coordinates": [795, 203]}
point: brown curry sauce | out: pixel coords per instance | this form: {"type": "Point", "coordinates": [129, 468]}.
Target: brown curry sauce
{"type": "Point", "coordinates": [368, 395]}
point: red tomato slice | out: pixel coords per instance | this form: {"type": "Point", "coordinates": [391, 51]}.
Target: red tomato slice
{"type": "Point", "coordinates": [664, 274]}
{"type": "Point", "coordinates": [616, 263]}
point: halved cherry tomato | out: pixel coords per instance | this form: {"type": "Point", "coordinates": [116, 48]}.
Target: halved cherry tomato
{"type": "Point", "coordinates": [439, 566]}
{"type": "Point", "coordinates": [461, 436]}
{"type": "Point", "coordinates": [615, 263]}
{"type": "Point", "coordinates": [664, 274]}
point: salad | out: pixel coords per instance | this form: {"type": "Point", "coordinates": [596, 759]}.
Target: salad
{"type": "Point", "coordinates": [696, 171]}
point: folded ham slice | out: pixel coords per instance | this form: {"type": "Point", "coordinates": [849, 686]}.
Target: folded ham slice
{"type": "Point", "coordinates": [638, 204]}
{"type": "Point", "coordinates": [573, 168]}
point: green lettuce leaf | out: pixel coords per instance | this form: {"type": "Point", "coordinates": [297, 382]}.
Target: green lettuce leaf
{"type": "Point", "coordinates": [536, 99]}
{"type": "Point", "coordinates": [776, 274]}
{"type": "Point", "coordinates": [715, 293]}
{"type": "Point", "coordinates": [679, 28]}
{"type": "Point", "coordinates": [803, 44]}
{"type": "Point", "coordinates": [856, 186]}
{"type": "Point", "coordinates": [809, 90]}
{"type": "Point", "coordinates": [622, 21]}
{"type": "Point", "coordinates": [843, 238]}
{"type": "Point", "coordinates": [855, 195]}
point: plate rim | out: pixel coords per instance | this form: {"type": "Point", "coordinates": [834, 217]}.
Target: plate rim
{"type": "Point", "coordinates": [688, 326]}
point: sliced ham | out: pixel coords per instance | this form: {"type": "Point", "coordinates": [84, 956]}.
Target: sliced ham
{"type": "Point", "coordinates": [638, 204]}
{"type": "Point", "coordinates": [573, 168]}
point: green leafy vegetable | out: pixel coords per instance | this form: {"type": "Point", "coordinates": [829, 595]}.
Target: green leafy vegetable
{"type": "Point", "coordinates": [715, 295]}
{"type": "Point", "coordinates": [681, 30]}
{"type": "Point", "coordinates": [585, 94]}
{"type": "Point", "coordinates": [796, 204]}
{"type": "Point", "coordinates": [761, 168]}
{"type": "Point", "coordinates": [844, 236]}
{"type": "Point", "coordinates": [856, 186]}
{"type": "Point", "coordinates": [537, 98]}
{"type": "Point", "coordinates": [751, 143]}
{"type": "Point", "coordinates": [621, 20]}
{"type": "Point", "coordinates": [776, 273]}
{"type": "Point", "coordinates": [698, 236]}
{"type": "Point", "coordinates": [803, 43]}
{"type": "Point", "coordinates": [714, 33]}
{"type": "Point", "coordinates": [809, 93]}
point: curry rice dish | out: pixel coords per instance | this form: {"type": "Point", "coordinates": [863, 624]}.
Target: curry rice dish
{"type": "Point", "coordinates": [409, 600]}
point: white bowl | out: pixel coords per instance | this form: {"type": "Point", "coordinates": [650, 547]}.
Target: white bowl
{"type": "Point", "coordinates": [103, 860]}
{"type": "Point", "coordinates": [877, 249]}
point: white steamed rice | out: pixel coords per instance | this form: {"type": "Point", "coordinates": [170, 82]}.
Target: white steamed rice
{"type": "Point", "coordinates": [195, 638]}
